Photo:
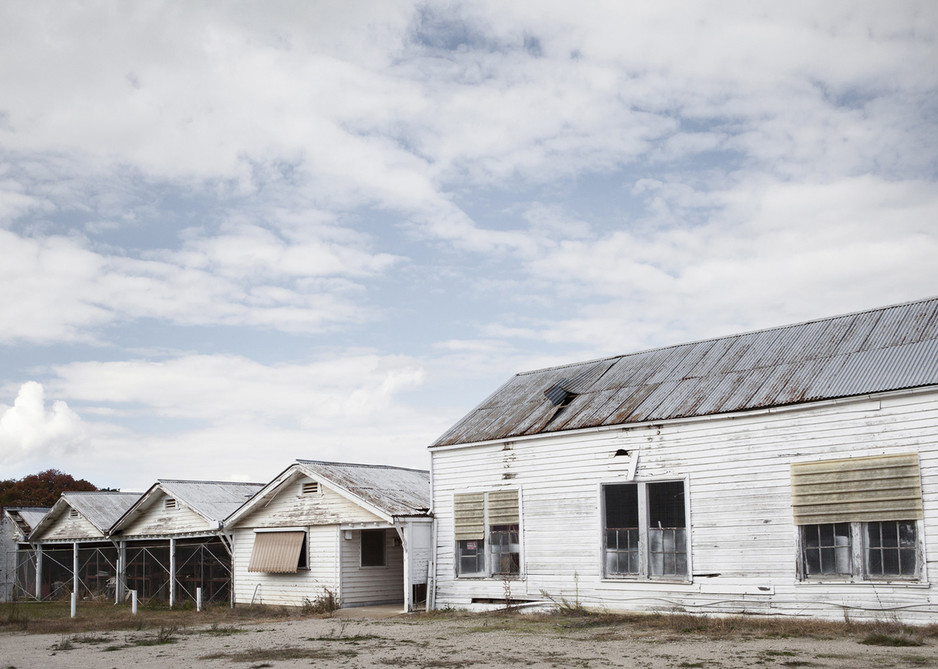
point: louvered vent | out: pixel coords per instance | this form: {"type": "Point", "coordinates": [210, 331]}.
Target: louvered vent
{"type": "Point", "coordinates": [310, 488]}
{"type": "Point", "coordinates": [170, 503]}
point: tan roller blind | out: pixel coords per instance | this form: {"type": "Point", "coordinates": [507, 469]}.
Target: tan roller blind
{"type": "Point", "coordinates": [503, 507]}
{"type": "Point", "coordinates": [276, 552]}
{"type": "Point", "coordinates": [469, 516]}
{"type": "Point", "coordinates": [884, 487]}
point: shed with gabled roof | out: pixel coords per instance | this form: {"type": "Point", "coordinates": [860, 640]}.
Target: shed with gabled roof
{"type": "Point", "coordinates": [70, 547]}
{"type": "Point", "coordinates": [788, 470]}
{"type": "Point", "coordinates": [357, 534]}
{"type": "Point", "coordinates": [172, 540]}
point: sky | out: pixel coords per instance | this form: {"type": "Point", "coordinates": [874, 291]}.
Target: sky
{"type": "Point", "coordinates": [234, 234]}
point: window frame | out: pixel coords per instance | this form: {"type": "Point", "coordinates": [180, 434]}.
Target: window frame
{"type": "Point", "coordinates": [643, 546]}
{"type": "Point", "coordinates": [860, 550]}
{"type": "Point", "coordinates": [384, 548]}
{"type": "Point", "coordinates": [483, 555]}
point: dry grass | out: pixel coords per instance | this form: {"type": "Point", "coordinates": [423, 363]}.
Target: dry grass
{"type": "Point", "coordinates": [54, 617]}
{"type": "Point", "coordinates": [610, 626]}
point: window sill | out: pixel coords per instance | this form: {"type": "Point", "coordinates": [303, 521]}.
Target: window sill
{"type": "Point", "coordinates": [490, 577]}
{"type": "Point", "coordinates": [645, 579]}
{"type": "Point", "coordinates": [918, 585]}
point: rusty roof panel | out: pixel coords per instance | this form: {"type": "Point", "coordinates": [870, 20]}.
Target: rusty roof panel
{"type": "Point", "coordinates": [874, 351]}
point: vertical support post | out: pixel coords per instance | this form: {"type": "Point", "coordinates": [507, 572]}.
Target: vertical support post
{"type": "Point", "coordinates": [75, 582]}
{"type": "Point", "coordinates": [404, 534]}
{"type": "Point", "coordinates": [121, 584]}
{"type": "Point", "coordinates": [133, 602]}
{"type": "Point", "coordinates": [39, 572]}
{"type": "Point", "coordinates": [74, 604]}
{"type": "Point", "coordinates": [172, 572]}
{"type": "Point", "coordinates": [198, 598]}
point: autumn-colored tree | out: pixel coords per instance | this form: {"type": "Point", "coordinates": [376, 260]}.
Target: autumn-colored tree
{"type": "Point", "coordinates": [42, 489]}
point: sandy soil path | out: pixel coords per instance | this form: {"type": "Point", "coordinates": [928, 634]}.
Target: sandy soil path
{"type": "Point", "coordinates": [421, 642]}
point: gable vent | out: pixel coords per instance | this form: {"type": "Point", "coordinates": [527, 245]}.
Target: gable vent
{"type": "Point", "coordinates": [169, 503]}
{"type": "Point", "coordinates": [72, 513]}
{"type": "Point", "coordinates": [310, 488]}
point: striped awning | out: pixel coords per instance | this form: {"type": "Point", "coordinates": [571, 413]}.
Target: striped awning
{"type": "Point", "coordinates": [276, 552]}
{"type": "Point", "coordinates": [877, 488]}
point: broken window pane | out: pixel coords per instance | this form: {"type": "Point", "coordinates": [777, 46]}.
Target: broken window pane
{"type": "Point", "coordinates": [505, 549]}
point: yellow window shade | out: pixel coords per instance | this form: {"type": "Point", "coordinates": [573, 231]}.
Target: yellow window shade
{"type": "Point", "coordinates": [878, 488]}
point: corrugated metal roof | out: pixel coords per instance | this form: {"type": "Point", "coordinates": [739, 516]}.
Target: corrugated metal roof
{"type": "Point", "coordinates": [30, 515]}
{"type": "Point", "coordinates": [891, 348]}
{"type": "Point", "coordinates": [25, 518]}
{"type": "Point", "coordinates": [215, 500]}
{"type": "Point", "coordinates": [393, 490]}
{"type": "Point", "coordinates": [100, 508]}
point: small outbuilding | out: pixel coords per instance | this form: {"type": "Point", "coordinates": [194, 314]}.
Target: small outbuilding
{"type": "Point", "coordinates": [69, 547]}
{"type": "Point", "coordinates": [172, 542]}
{"type": "Point", "coordinates": [356, 534]}
{"type": "Point", "coordinates": [791, 471]}
{"type": "Point", "coordinates": [15, 525]}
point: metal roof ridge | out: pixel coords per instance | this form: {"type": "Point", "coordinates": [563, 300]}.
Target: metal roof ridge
{"type": "Point", "coordinates": [723, 337]}
{"type": "Point", "coordinates": [362, 464]}
{"type": "Point", "coordinates": [203, 481]}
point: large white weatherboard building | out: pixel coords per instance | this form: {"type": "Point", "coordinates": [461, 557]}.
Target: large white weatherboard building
{"type": "Point", "coordinates": [789, 471]}
{"type": "Point", "coordinates": [359, 532]}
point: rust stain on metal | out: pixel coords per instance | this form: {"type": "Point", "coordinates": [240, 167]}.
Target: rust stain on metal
{"type": "Point", "coordinates": [892, 348]}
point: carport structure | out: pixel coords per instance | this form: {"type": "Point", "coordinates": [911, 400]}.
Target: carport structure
{"type": "Point", "coordinates": [69, 548]}
{"type": "Point", "coordinates": [172, 542]}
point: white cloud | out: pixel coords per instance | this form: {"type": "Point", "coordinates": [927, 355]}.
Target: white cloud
{"type": "Point", "coordinates": [31, 432]}
{"type": "Point", "coordinates": [213, 415]}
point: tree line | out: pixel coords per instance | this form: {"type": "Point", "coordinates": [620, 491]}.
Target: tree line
{"type": "Point", "coordinates": [42, 489]}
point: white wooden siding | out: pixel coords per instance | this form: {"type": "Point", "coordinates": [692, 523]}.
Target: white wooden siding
{"type": "Point", "coordinates": [742, 532]}
{"type": "Point", "coordinates": [289, 508]}
{"type": "Point", "coordinates": [372, 585]}
{"type": "Point", "coordinates": [158, 521]}
{"type": "Point", "coordinates": [71, 528]}
{"type": "Point", "coordinates": [320, 515]}
{"type": "Point", "coordinates": [287, 589]}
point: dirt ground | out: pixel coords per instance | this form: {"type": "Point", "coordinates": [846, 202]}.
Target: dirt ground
{"type": "Point", "coordinates": [446, 641]}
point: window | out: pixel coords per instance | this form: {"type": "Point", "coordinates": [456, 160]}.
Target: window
{"type": "Point", "coordinates": [279, 552]}
{"type": "Point", "coordinates": [506, 549]}
{"type": "Point", "coordinates": [489, 519]}
{"type": "Point", "coordinates": [373, 548]}
{"type": "Point", "coordinates": [645, 530]}
{"type": "Point", "coordinates": [858, 518]}
{"type": "Point", "coordinates": [887, 550]}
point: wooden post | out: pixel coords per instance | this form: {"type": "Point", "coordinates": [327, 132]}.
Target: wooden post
{"type": "Point", "coordinates": [39, 572]}
{"type": "Point", "coordinates": [75, 568]}
{"type": "Point", "coordinates": [172, 572]}
{"type": "Point", "coordinates": [121, 584]}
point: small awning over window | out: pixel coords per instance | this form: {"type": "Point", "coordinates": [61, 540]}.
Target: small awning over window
{"type": "Point", "coordinates": [276, 552]}
{"type": "Point", "coordinates": [469, 516]}
{"type": "Point", "coordinates": [503, 507]}
{"type": "Point", "coordinates": [878, 488]}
